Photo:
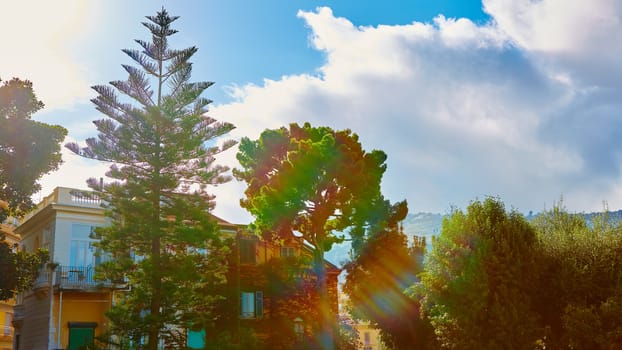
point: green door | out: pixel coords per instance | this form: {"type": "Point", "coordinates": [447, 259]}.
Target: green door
{"type": "Point", "coordinates": [79, 338]}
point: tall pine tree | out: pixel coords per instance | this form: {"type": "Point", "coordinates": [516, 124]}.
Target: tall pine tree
{"type": "Point", "coordinates": [162, 145]}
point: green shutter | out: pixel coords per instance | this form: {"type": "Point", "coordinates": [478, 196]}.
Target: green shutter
{"type": "Point", "coordinates": [259, 304]}
{"type": "Point", "coordinates": [241, 305]}
{"type": "Point", "coordinates": [196, 339]}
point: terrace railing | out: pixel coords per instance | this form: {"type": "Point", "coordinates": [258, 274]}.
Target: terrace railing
{"type": "Point", "coordinates": [71, 277]}
{"type": "Point", "coordinates": [6, 330]}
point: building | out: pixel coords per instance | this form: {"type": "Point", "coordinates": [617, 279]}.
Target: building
{"type": "Point", "coordinates": [369, 337]}
{"type": "Point", "coordinates": [6, 307]}
{"type": "Point", "coordinates": [270, 292]}
{"type": "Point", "coordinates": [65, 309]}
{"type": "Point", "coordinates": [274, 291]}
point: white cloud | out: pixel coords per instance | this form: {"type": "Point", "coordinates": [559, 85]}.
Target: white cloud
{"type": "Point", "coordinates": [558, 25]}
{"type": "Point", "coordinates": [525, 107]}
{"type": "Point", "coordinates": [74, 172]}
{"type": "Point", "coordinates": [39, 44]}
{"type": "Point", "coordinates": [463, 110]}
{"type": "Point", "coordinates": [228, 202]}
{"type": "Point", "coordinates": [571, 36]}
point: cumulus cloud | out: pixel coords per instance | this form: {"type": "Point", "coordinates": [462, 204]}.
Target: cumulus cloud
{"type": "Point", "coordinates": [510, 108]}
{"type": "Point", "coordinates": [577, 44]}
{"type": "Point", "coordinates": [571, 37]}
{"type": "Point", "coordinates": [525, 106]}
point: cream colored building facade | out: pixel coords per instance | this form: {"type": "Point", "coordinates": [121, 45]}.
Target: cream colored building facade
{"type": "Point", "coordinates": [65, 309]}
{"type": "Point", "coordinates": [369, 337]}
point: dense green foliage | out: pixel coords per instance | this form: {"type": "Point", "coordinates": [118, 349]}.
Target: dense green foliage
{"type": "Point", "coordinates": [18, 270]}
{"type": "Point", "coordinates": [28, 149]}
{"type": "Point", "coordinates": [580, 280]}
{"type": "Point", "coordinates": [382, 267]}
{"type": "Point", "coordinates": [493, 280]}
{"type": "Point", "coordinates": [161, 236]}
{"type": "Point", "coordinates": [477, 283]}
{"type": "Point", "coordinates": [347, 336]}
{"type": "Point", "coordinates": [312, 180]}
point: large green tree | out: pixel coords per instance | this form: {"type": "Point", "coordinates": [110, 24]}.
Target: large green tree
{"type": "Point", "coordinates": [162, 147]}
{"type": "Point", "coordinates": [580, 279]}
{"type": "Point", "coordinates": [18, 270]}
{"type": "Point", "coordinates": [479, 279]}
{"type": "Point", "coordinates": [28, 149]}
{"type": "Point", "coordinates": [314, 181]}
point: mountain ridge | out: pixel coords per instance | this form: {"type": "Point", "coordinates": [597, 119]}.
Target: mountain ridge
{"type": "Point", "coordinates": [428, 225]}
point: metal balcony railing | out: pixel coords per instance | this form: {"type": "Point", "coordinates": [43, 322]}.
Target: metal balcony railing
{"type": "Point", "coordinates": [71, 277]}
{"type": "Point", "coordinates": [79, 277]}
{"type": "Point", "coordinates": [6, 330]}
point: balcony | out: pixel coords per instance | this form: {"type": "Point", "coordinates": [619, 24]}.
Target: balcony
{"type": "Point", "coordinates": [76, 277]}
{"type": "Point", "coordinates": [72, 278]}
{"type": "Point", "coordinates": [6, 333]}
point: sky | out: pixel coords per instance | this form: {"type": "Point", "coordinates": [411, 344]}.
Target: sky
{"type": "Point", "coordinates": [518, 99]}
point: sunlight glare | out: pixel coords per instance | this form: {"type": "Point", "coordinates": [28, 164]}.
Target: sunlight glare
{"type": "Point", "coordinates": [39, 45]}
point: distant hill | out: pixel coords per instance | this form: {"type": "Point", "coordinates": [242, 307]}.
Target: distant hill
{"type": "Point", "coordinates": [419, 224]}
{"type": "Point", "coordinates": [614, 216]}
{"type": "Point", "coordinates": [422, 225]}
{"type": "Point", "coordinates": [429, 225]}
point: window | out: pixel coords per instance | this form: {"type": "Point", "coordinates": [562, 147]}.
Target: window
{"type": "Point", "coordinates": [137, 258]}
{"type": "Point", "coordinates": [248, 248]}
{"type": "Point", "coordinates": [47, 234]}
{"type": "Point", "coordinates": [199, 251]}
{"type": "Point", "coordinates": [82, 250]}
{"type": "Point", "coordinates": [288, 252]}
{"type": "Point", "coordinates": [367, 341]}
{"type": "Point", "coordinates": [299, 328]}
{"type": "Point", "coordinates": [196, 339]}
{"type": "Point", "coordinates": [8, 318]}
{"type": "Point", "coordinates": [251, 304]}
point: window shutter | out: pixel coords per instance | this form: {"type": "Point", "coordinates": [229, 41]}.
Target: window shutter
{"type": "Point", "coordinates": [241, 305]}
{"type": "Point", "coordinates": [259, 304]}
{"type": "Point", "coordinates": [247, 249]}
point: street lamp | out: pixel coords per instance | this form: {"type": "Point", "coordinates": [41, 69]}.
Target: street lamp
{"type": "Point", "coordinates": [299, 328]}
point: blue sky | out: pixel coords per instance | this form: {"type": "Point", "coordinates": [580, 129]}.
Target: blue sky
{"type": "Point", "coordinates": [510, 98]}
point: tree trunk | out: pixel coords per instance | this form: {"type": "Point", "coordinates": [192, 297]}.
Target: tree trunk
{"type": "Point", "coordinates": [156, 300]}
{"type": "Point", "coordinates": [325, 337]}
{"type": "Point", "coordinates": [154, 330]}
